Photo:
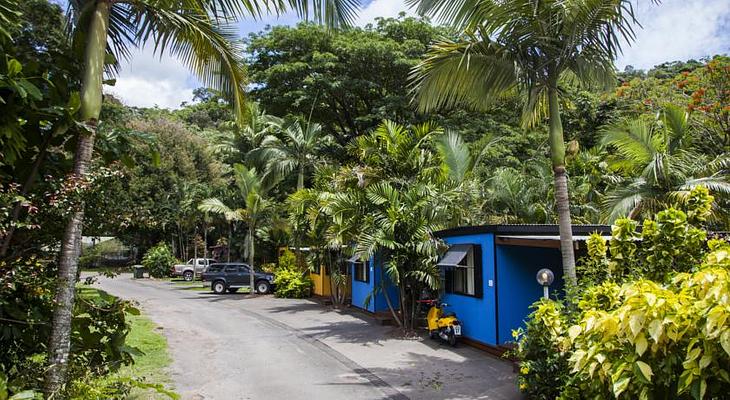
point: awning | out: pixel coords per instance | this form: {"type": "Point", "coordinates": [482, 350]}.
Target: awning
{"type": "Point", "coordinates": [354, 259]}
{"type": "Point", "coordinates": [455, 255]}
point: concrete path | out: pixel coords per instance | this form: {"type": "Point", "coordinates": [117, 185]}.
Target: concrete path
{"type": "Point", "coordinates": [237, 347]}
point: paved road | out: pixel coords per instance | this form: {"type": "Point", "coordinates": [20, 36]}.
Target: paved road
{"type": "Point", "coordinates": [236, 347]}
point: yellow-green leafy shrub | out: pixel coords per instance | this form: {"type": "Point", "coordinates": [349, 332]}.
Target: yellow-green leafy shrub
{"type": "Point", "coordinates": [657, 325]}
{"type": "Point", "coordinates": [290, 280]}
{"type": "Point", "coordinates": [661, 341]}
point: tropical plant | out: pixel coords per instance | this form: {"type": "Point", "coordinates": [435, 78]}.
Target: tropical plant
{"type": "Point", "coordinates": [158, 260]}
{"type": "Point", "coordinates": [252, 191]}
{"type": "Point", "coordinates": [27, 287]}
{"type": "Point", "coordinates": [528, 45]}
{"type": "Point", "coordinates": [660, 338]}
{"type": "Point", "coordinates": [196, 31]}
{"type": "Point", "coordinates": [657, 341]}
{"type": "Point", "coordinates": [408, 185]}
{"type": "Point", "coordinates": [661, 163]}
{"type": "Point", "coordinates": [292, 281]}
{"type": "Point", "coordinates": [298, 150]}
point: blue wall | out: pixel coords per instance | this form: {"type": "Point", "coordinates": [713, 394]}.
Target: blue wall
{"type": "Point", "coordinates": [517, 287]}
{"type": "Point", "coordinates": [477, 314]}
{"type": "Point", "coordinates": [361, 290]}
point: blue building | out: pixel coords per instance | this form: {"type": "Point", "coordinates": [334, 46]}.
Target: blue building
{"type": "Point", "coordinates": [489, 274]}
{"type": "Point", "coordinates": [366, 276]}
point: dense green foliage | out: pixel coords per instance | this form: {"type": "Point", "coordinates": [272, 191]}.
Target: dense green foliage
{"type": "Point", "coordinates": [158, 260]}
{"type": "Point", "coordinates": [292, 282]}
{"type": "Point", "coordinates": [26, 305]}
{"type": "Point", "coordinates": [650, 320]}
{"type": "Point", "coordinates": [313, 164]}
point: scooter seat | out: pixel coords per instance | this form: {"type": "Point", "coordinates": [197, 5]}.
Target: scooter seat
{"type": "Point", "coordinates": [450, 314]}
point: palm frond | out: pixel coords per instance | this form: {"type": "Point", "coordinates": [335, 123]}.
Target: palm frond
{"type": "Point", "coordinates": [633, 140]}
{"type": "Point", "coordinates": [471, 72]}
{"type": "Point", "coordinates": [216, 206]}
{"type": "Point", "coordinates": [455, 154]}
{"type": "Point", "coordinates": [206, 45]}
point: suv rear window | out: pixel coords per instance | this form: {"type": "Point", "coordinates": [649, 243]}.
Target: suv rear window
{"type": "Point", "coordinates": [215, 268]}
{"type": "Point", "coordinates": [232, 268]}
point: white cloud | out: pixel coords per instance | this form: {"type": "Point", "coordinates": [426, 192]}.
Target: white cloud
{"type": "Point", "coordinates": [382, 8]}
{"type": "Point", "coordinates": [678, 30]}
{"type": "Point", "coordinates": [673, 30]}
{"type": "Point", "coordinates": [146, 81]}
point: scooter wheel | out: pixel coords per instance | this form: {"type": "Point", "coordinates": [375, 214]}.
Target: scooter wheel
{"type": "Point", "coordinates": [452, 339]}
{"type": "Point", "coordinates": [434, 334]}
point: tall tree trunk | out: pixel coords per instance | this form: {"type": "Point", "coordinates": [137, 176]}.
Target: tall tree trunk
{"type": "Point", "coordinates": [562, 201]}
{"type": "Point", "coordinates": [91, 100]}
{"type": "Point", "coordinates": [300, 177]}
{"type": "Point", "coordinates": [252, 277]}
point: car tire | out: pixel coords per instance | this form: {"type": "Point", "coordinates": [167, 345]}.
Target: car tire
{"type": "Point", "coordinates": [218, 287]}
{"type": "Point", "coordinates": [232, 290]}
{"type": "Point", "coordinates": [188, 276]}
{"type": "Point", "coordinates": [263, 287]}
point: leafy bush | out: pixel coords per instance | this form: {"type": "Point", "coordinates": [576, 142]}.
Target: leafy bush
{"type": "Point", "coordinates": [98, 336]}
{"type": "Point", "coordinates": [658, 341]}
{"type": "Point", "coordinates": [631, 336]}
{"type": "Point", "coordinates": [269, 268]}
{"type": "Point", "coordinates": [544, 367]}
{"type": "Point", "coordinates": [158, 260]}
{"type": "Point", "coordinates": [291, 282]}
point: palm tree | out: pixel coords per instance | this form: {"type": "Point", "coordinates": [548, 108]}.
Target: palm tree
{"type": "Point", "coordinates": [407, 188]}
{"type": "Point", "coordinates": [232, 137]}
{"type": "Point", "coordinates": [661, 163]}
{"type": "Point", "coordinates": [252, 189]}
{"type": "Point", "coordinates": [530, 45]}
{"type": "Point", "coordinates": [298, 149]}
{"type": "Point", "coordinates": [196, 31]}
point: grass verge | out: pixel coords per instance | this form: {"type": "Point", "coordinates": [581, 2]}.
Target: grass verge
{"type": "Point", "coordinates": [150, 367]}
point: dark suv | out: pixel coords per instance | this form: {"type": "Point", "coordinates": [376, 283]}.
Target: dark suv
{"type": "Point", "coordinates": [233, 276]}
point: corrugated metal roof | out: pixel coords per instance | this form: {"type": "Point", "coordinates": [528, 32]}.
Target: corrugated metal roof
{"type": "Point", "coordinates": [523, 229]}
{"type": "Point", "coordinates": [576, 238]}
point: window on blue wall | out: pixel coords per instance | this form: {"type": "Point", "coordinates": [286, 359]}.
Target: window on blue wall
{"type": "Point", "coordinates": [361, 272]}
{"type": "Point", "coordinates": [464, 275]}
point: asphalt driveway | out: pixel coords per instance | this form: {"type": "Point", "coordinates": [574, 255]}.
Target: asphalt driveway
{"type": "Point", "coordinates": [239, 347]}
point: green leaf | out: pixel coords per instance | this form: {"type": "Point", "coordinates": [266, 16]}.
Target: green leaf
{"type": "Point", "coordinates": [31, 89]}
{"type": "Point", "coordinates": [14, 67]}
{"type": "Point", "coordinates": [725, 341]}
{"type": "Point", "coordinates": [110, 82]}
{"type": "Point", "coordinates": [74, 102]}
{"type": "Point", "coordinates": [641, 345]}
{"type": "Point", "coordinates": [3, 386]}
{"type": "Point", "coordinates": [26, 394]}
{"type": "Point", "coordinates": [645, 369]}
{"type": "Point", "coordinates": [574, 331]}
{"type": "Point", "coordinates": [109, 59]}
{"type": "Point", "coordinates": [620, 385]}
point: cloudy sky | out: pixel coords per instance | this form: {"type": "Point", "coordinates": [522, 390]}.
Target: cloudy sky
{"type": "Point", "coordinates": [674, 30]}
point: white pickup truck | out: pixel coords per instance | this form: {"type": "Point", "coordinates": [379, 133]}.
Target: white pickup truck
{"type": "Point", "coordinates": [194, 267]}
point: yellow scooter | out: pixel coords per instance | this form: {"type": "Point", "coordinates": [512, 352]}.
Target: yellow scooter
{"type": "Point", "coordinates": [440, 325]}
